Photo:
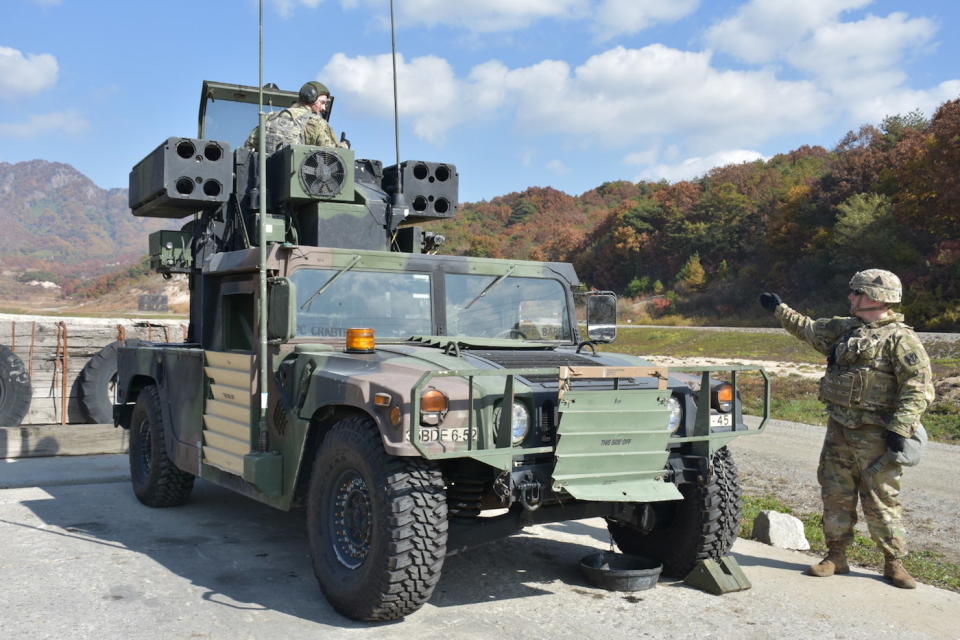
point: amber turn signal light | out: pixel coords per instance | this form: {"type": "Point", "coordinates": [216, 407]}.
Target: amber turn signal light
{"type": "Point", "coordinates": [722, 397]}
{"type": "Point", "coordinates": [361, 340]}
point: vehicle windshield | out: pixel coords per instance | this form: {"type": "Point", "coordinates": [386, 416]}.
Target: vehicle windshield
{"type": "Point", "coordinates": [232, 122]}
{"type": "Point", "coordinates": [330, 301]}
{"type": "Point", "coordinates": [506, 307]}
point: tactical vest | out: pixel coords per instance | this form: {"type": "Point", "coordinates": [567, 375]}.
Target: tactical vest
{"type": "Point", "coordinates": [283, 128]}
{"type": "Point", "coordinates": [859, 376]}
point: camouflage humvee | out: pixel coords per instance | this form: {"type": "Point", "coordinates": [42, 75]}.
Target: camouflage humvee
{"type": "Point", "coordinates": [416, 404]}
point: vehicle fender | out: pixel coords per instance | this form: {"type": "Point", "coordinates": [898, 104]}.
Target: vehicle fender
{"type": "Point", "coordinates": [177, 373]}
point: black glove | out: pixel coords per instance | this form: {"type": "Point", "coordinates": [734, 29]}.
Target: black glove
{"type": "Point", "coordinates": [895, 442]}
{"type": "Point", "coordinates": [343, 138]}
{"type": "Point", "coordinates": [770, 301]}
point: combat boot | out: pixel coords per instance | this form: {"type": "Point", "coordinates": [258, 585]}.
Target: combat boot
{"type": "Point", "coordinates": [835, 562]}
{"type": "Point", "coordinates": [894, 571]}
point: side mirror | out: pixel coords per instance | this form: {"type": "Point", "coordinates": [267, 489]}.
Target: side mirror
{"type": "Point", "coordinates": [281, 309]}
{"type": "Point", "coordinates": [602, 316]}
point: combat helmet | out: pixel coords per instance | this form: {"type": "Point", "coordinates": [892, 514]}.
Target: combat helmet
{"type": "Point", "coordinates": [312, 90]}
{"type": "Point", "coordinates": [880, 285]}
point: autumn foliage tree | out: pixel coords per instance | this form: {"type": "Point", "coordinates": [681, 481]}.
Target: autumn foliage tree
{"type": "Point", "coordinates": [800, 223]}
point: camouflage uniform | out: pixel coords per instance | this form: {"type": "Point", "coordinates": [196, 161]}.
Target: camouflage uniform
{"type": "Point", "coordinates": [308, 127]}
{"type": "Point", "coordinates": [878, 378]}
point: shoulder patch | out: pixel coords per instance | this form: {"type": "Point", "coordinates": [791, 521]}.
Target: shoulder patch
{"type": "Point", "coordinates": [912, 358]}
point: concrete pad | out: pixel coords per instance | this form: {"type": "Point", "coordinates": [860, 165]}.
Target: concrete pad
{"type": "Point", "coordinates": [59, 471]}
{"type": "Point", "coordinates": [89, 561]}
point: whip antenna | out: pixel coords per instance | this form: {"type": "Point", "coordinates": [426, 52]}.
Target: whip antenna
{"type": "Point", "coordinates": [261, 436]}
{"type": "Point", "coordinates": [398, 194]}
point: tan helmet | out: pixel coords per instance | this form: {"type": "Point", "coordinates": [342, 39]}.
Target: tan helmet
{"type": "Point", "coordinates": [880, 285]}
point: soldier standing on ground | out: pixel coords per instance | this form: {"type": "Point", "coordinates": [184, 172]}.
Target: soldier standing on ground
{"type": "Point", "coordinates": [303, 123]}
{"type": "Point", "coordinates": [876, 388]}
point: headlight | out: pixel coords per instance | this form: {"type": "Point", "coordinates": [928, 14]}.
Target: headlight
{"type": "Point", "coordinates": [676, 413]}
{"type": "Point", "coordinates": [519, 424]}
{"type": "Point", "coordinates": [721, 398]}
{"type": "Point", "coordinates": [433, 407]}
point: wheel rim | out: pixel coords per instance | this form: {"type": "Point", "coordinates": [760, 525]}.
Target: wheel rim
{"type": "Point", "coordinates": [352, 518]}
{"type": "Point", "coordinates": [145, 446]}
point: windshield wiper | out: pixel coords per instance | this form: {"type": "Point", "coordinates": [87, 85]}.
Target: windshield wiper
{"type": "Point", "coordinates": [490, 286]}
{"type": "Point", "coordinates": [326, 285]}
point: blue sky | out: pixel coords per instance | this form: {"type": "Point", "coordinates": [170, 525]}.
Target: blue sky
{"type": "Point", "coordinates": [516, 93]}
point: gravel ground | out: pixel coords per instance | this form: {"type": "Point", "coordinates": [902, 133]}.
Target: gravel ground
{"type": "Point", "coordinates": [783, 461]}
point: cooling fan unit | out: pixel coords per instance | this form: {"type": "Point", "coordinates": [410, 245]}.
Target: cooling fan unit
{"type": "Point", "coordinates": [322, 174]}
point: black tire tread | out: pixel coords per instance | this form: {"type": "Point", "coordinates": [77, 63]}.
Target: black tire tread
{"type": "Point", "coordinates": [412, 491]}
{"type": "Point", "coordinates": [16, 392]}
{"type": "Point", "coordinates": [705, 525]}
{"type": "Point", "coordinates": [165, 485]}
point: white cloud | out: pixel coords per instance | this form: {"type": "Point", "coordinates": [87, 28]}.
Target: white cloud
{"type": "Point", "coordinates": [37, 125]}
{"type": "Point", "coordinates": [876, 108]}
{"type": "Point", "coordinates": [428, 91]}
{"type": "Point", "coordinates": [558, 167]}
{"type": "Point", "coordinates": [286, 8]}
{"type": "Point", "coordinates": [615, 17]}
{"type": "Point", "coordinates": [615, 98]}
{"type": "Point", "coordinates": [484, 17]}
{"type": "Point", "coordinates": [610, 17]}
{"type": "Point", "coordinates": [623, 95]}
{"type": "Point", "coordinates": [859, 63]}
{"type": "Point", "coordinates": [762, 28]}
{"type": "Point", "coordinates": [645, 157]}
{"type": "Point", "coordinates": [25, 74]}
{"type": "Point", "coordinates": [698, 166]}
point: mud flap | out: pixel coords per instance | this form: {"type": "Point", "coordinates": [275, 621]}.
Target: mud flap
{"type": "Point", "coordinates": [718, 578]}
{"type": "Point", "coordinates": [613, 446]}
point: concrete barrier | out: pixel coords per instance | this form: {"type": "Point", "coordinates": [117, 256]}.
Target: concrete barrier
{"type": "Point", "coordinates": [41, 440]}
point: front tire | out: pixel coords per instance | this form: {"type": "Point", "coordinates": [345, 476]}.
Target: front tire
{"type": "Point", "coordinates": [703, 525]}
{"type": "Point", "coordinates": [157, 482]}
{"type": "Point", "coordinates": [377, 524]}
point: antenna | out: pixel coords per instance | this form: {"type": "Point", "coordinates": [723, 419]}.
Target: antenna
{"type": "Point", "coordinates": [398, 199]}
{"type": "Point", "coordinates": [261, 438]}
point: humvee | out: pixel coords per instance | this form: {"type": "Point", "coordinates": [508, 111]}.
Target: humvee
{"type": "Point", "coordinates": [416, 404]}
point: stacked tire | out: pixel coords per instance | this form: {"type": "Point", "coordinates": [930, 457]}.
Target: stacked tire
{"type": "Point", "coordinates": [97, 382]}
{"type": "Point", "coordinates": [15, 388]}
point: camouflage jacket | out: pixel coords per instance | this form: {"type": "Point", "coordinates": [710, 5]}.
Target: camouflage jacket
{"type": "Point", "coordinates": [315, 130]}
{"type": "Point", "coordinates": [887, 354]}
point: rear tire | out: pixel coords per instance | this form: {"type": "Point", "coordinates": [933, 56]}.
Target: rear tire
{"type": "Point", "coordinates": [157, 482]}
{"type": "Point", "coordinates": [703, 525]}
{"type": "Point", "coordinates": [377, 524]}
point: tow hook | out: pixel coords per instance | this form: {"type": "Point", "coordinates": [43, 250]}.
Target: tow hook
{"type": "Point", "coordinates": [529, 490]}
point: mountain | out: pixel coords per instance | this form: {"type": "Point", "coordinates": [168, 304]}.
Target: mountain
{"type": "Point", "coordinates": [54, 217]}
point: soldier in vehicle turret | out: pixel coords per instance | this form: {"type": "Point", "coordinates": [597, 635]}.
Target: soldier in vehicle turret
{"type": "Point", "coordinates": [876, 388]}
{"type": "Point", "coordinates": [303, 123]}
